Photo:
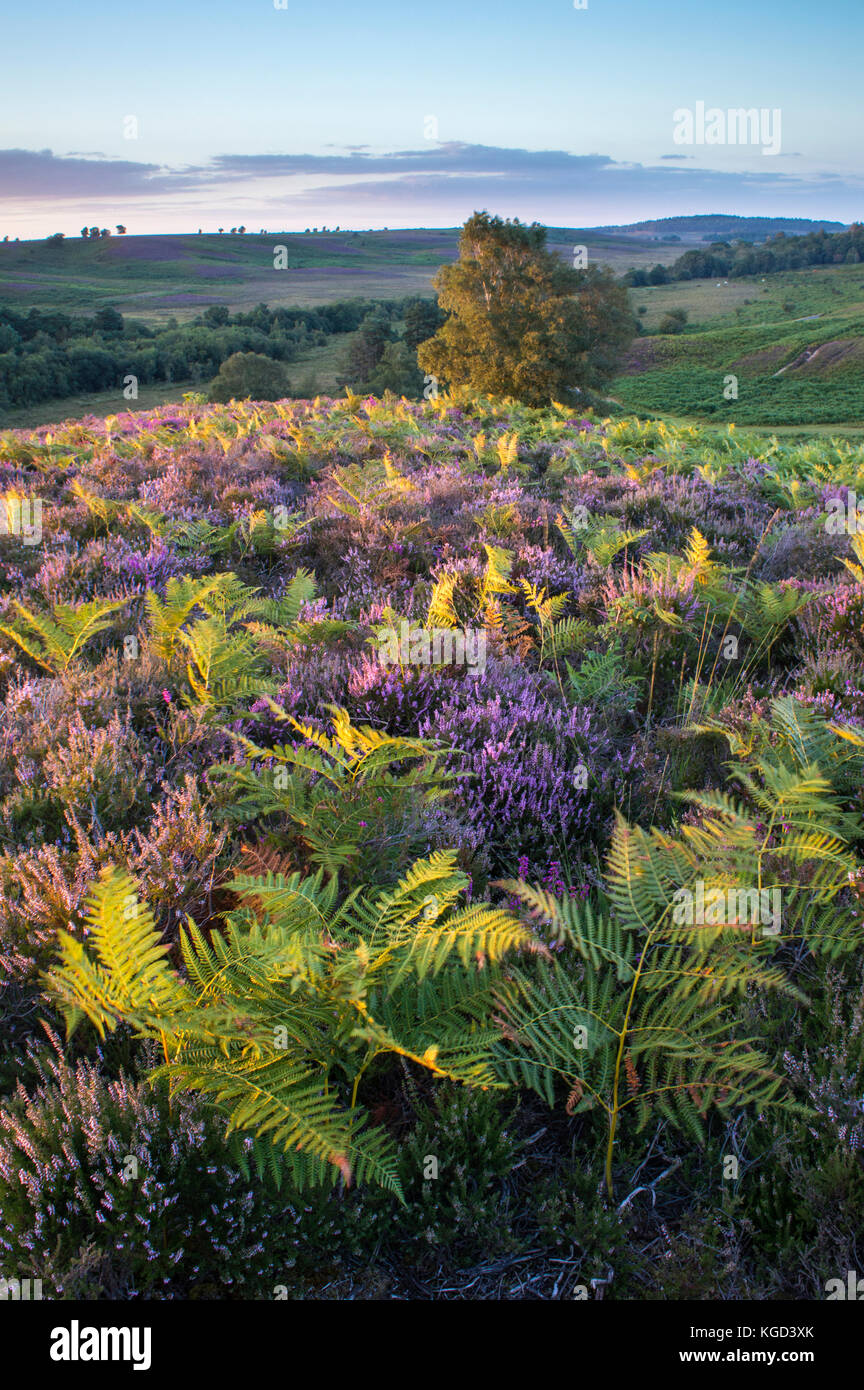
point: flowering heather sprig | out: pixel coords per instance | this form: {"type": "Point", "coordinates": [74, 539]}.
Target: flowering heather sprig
{"type": "Point", "coordinates": [521, 748]}
{"type": "Point", "coordinates": [151, 569]}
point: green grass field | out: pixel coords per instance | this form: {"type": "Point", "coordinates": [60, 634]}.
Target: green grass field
{"type": "Point", "coordinates": [823, 290]}
{"type": "Point", "coordinates": [99, 403]}
{"type": "Point", "coordinates": [314, 372]}
{"type": "Point", "coordinates": [794, 341]}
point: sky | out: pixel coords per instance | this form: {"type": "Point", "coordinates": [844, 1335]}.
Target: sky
{"type": "Point", "coordinates": [279, 114]}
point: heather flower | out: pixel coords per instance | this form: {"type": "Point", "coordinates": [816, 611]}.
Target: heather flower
{"type": "Point", "coordinates": [519, 748]}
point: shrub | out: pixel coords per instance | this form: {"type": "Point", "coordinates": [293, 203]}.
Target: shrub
{"type": "Point", "coordinates": [107, 1191]}
{"type": "Point", "coordinates": [250, 374]}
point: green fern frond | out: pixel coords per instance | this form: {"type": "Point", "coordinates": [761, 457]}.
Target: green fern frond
{"type": "Point", "coordinates": [129, 975]}
{"type": "Point", "coordinates": [54, 642]}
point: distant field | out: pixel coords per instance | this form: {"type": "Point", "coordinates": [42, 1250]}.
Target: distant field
{"type": "Point", "coordinates": [795, 340]}
{"type": "Point", "coordinates": [155, 278]}
{"type": "Point", "coordinates": [756, 299]}
{"type": "Point", "coordinates": [314, 372]}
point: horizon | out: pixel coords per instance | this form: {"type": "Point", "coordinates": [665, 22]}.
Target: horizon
{"type": "Point", "coordinates": [249, 232]}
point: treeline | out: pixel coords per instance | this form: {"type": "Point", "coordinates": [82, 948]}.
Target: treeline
{"type": "Point", "coordinates": [46, 355]}
{"type": "Point", "coordinates": [780, 252]}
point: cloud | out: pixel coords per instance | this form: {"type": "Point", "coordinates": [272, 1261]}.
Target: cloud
{"type": "Point", "coordinates": [455, 158]}
{"type": "Point", "coordinates": [40, 174]}
{"type": "Point", "coordinates": [436, 184]}
{"type": "Point", "coordinates": [480, 173]}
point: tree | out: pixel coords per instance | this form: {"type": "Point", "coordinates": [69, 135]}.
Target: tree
{"type": "Point", "coordinates": [56, 239]}
{"type": "Point", "coordinates": [423, 318]}
{"type": "Point", "coordinates": [250, 375]}
{"type": "Point", "coordinates": [673, 322]}
{"type": "Point", "coordinates": [108, 321]}
{"type": "Point", "coordinates": [94, 231]}
{"type": "Point", "coordinates": [396, 371]}
{"type": "Point", "coordinates": [121, 230]}
{"type": "Point", "coordinates": [521, 321]}
{"type": "Point", "coordinates": [367, 347]}
{"type": "Point", "coordinates": [85, 232]}
{"type": "Point", "coordinates": [216, 316]}
{"type": "Point", "coordinates": [91, 369]}
{"type": "Point", "coordinates": [104, 232]}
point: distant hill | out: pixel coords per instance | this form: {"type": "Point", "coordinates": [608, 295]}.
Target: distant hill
{"type": "Point", "coordinates": [722, 226]}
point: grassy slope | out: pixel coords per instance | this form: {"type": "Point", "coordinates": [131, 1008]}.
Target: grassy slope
{"type": "Point", "coordinates": [156, 278]}
{"type": "Point", "coordinates": [99, 403]}
{"type": "Point", "coordinates": [757, 298]}
{"type": "Point", "coordinates": [795, 341]}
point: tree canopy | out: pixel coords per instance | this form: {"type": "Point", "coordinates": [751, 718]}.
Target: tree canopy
{"type": "Point", "coordinates": [250, 375]}
{"type": "Point", "coordinates": [521, 322]}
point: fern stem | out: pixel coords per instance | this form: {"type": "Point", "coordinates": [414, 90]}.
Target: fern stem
{"type": "Point", "coordinates": [740, 592]}
{"type": "Point", "coordinates": [653, 675]}
{"type": "Point", "coordinates": [700, 662]}
{"type": "Point", "coordinates": [615, 1108]}
{"type": "Point", "coordinates": [354, 1089]}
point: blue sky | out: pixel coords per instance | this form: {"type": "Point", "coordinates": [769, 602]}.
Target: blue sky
{"type": "Point", "coordinates": [392, 114]}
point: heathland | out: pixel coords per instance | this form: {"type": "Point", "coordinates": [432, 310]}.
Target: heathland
{"type": "Point", "coordinates": [531, 976]}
